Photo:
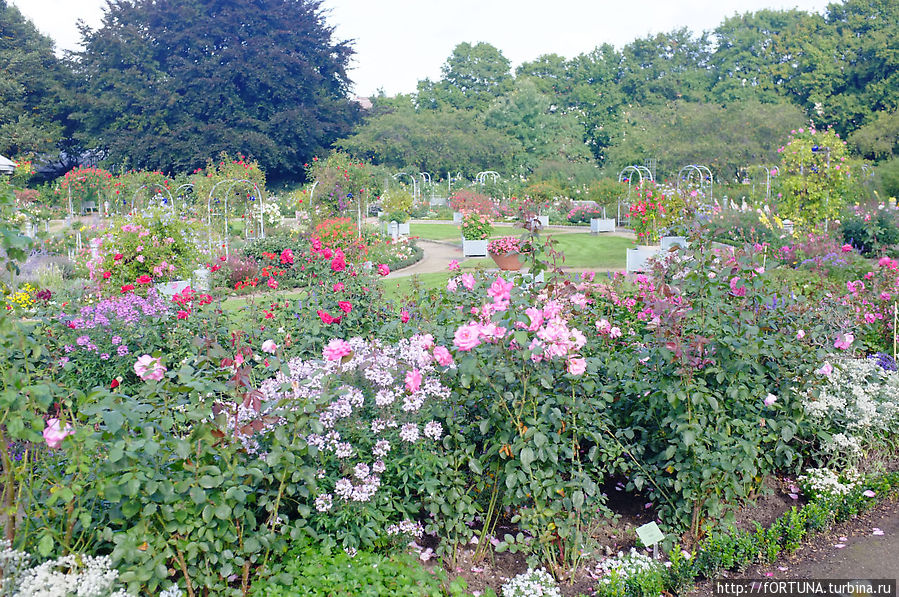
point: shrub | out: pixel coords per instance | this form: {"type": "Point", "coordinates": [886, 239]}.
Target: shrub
{"type": "Point", "coordinates": [465, 200]}
{"type": "Point", "coordinates": [870, 230]}
{"type": "Point", "coordinates": [476, 226]}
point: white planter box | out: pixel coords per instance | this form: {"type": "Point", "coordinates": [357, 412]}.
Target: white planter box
{"type": "Point", "coordinates": [170, 289]}
{"type": "Point", "coordinates": [403, 229]}
{"type": "Point", "coordinates": [544, 220]}
{"type": "Point", "coordinates": [669, 241]}
{"type": "Point", "coordinates": [457, 217]}
{"type": "Point", "coordinates": [200, 279]}
{"type": "Point", "coordinates": [638, 257]}
{"type": "Point", "coordinates": [598, 225]}
{"type": "Point", "coordinates": [474, 248]}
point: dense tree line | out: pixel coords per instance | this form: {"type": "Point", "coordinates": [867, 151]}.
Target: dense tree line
{"type": "Point", "coordinates": [165, 84]}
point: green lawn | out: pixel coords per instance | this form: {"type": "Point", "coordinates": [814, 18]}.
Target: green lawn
{"type": "Point", "coordinates": [582, 251]}
{"type": "Point", "coordinates": [452, 232]}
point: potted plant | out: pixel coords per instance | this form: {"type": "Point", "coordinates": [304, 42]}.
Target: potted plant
{"type": "Point", "coordinates": [476, 229]}
{"type": "Point", "coordinates": [645, 216]}
{"type": "Point", "coordinates": [506, 252]}
{"type": "Point", "coordinates": [401, 218]}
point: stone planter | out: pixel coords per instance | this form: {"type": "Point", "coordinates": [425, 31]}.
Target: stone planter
{"type": "Point", "coordinates": [638, 257]}
{"type": "Point", "coordinates": [667, 242]}
{"type": "Point", "coordinates": [510, 262]}
{"type": "Point", "coordinates": [474, 248]}
{"type": "Point", "coordinates": [170, 289]}
{"type": "Point", "coordinates": [457, 217]}
{"type": "Point", "coordinates": [598, 225]}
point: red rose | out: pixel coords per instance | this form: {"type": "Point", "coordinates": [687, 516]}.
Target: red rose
{"type": "Point", "coordinates": [345, 306]}
{"type": "Point", "coordinates": [114, 384]}
{"type": "Point", "coordinates": [127, 288]}
{"type": "Point", "coordinates": [145, 279]}
{"type": "Point", "coordinates": [107, 275]}
{"type": "Point", "coordinates": [118, 257]}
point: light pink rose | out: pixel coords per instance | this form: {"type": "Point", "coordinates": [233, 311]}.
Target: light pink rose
{"type": "Point", "coordinates": [577, 365]}
{"type": "Point", "coordinates": [453, 265]}
{"type": "Point", "coordinates": [468, 281]}
{"type": "Point", "coordinates": [148, 368]}
{"type": "Point", "coordinates": [467, 336]}
{"type": "Point", "coordinates": [337, 349]}
{"type": "Point", "coordinates": [826, 369]}
{"type": "Point", "coordinates": [413, 381]}
{"type": "Point", "coordinates": [500, 290]}
{"type": "Point", "coordinates": [844, 341]}
{"type": "Point", "coordinates": [269, 346]}
{"type": "Point", "coordinates": [443, 356]}
{"type": "Point", "coordinates": [54, 434]}
{"type": "Point", "coordinates": [536, 316]}
{"type": "Point", "coordinates": [800, 334]}
{"type": "Point", "coordinates": [770, 399]}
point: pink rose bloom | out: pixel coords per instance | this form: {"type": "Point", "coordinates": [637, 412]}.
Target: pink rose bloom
{"type": "Point", "coordinates": [844, 341]}
{"type": "Point", "coordinates": [148, 368]}
{"type": "Point", "coordinates": [338, 287]}
{"type": "Point", "coordinates": [452, 285]}
{"type": "Point", "coordinates": [337, 349]}
{"type": "Point", "coordinates": [272, 283]}
{"type": "Point", "coordinates": [404, 316]}
{"type": "Point", "coordinates": [615, 332]}
{"type": "Point", "coordinates": [453, 265]}
{"type": "Point", "coordinates": [887, 262]}
{"type": "Point", "coordinates": [269, 346]}
{"type": "Point", "coordinates": [536, 316]}
{"type": "Point", "coordinates": [737, 291]}
{"type": "Point", "coordinates": [577, 365]}
{"type": "Point", "coordinates": [603, 326]}
{"type": "Point", "coordinates": [443, 356]}
{"type": "Point", "coordinates": [54, 434]}
{"type": "Point", "coordinates": [800, 334]}
{"type": "Point", "coordinates": [287, 257]}
{"type": "Point", "coordinates": [467, 336]}
{"type": "Point", "coordinates": [826, 369]}
{"type": "Point", "coordinates": [846, 248]}
{"type": "Point", "coordinates": [500, 290]}
{"type": "Point", "coordinates": [383, 269]}
{"type": "Point", "coordinates": [770, 399]}
{"type": "Point", "coordinates": [468, 281]}
{"type": "Point", "coordinates": [413, 381]}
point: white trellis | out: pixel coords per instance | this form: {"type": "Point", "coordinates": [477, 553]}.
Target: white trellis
{"type": "Point", "coordinates": [218, 214]}
{"type": "Point", "coordinates": [627, 175]}
{"type": "Point", "coordinates": [415, 188]}
{"type": "Point", "coordinates": [167, 200]}
{"type": "Point", "coordinates": [685, 178]}
{"type": "Point", "coordinates": [770, 172]}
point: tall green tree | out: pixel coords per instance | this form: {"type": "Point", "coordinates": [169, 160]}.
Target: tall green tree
{"type": "Point", "coordinates": [168, 83]}
{"type": "Point", "coordinates": [667, 67]}
{"type": "Point", "coordinates": [32, 108]}
{"type": "Point", "coordinates": [879, 138]}
{"type": "Point", "coordinates": [472, 77]}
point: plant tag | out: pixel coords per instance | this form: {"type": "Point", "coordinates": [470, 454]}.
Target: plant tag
{"type": "Point", "coordinates": [650, 534]}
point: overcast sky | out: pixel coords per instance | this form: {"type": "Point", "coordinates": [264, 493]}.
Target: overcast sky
{"type": "Point", "coordinates": [398, 42]}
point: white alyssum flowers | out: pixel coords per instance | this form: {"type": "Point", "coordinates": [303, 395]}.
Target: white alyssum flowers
{"type": "Point", "coordinates": [533, 583]}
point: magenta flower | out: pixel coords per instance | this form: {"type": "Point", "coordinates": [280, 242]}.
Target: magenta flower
{"type": "Point", "coordinates": [443, 356]}
{"type": "Point", "coordinates": [148, 368]}
{"type": "Point", "coordinates": [500, 290]}
{"type": "Point", "coordinates": [383, 269]}
{"type": "Point", "coordinates": [54, 433]}
{"type": "Point", "coordinates": [453, 265]}
{"type": "Point", "coordinates": [467, 336]}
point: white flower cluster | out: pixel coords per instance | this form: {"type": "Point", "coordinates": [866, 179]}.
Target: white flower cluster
{"type": "Point", "coordinates": [406, 527]}
{"type": "Point", "coordinates": [859, 403]}
{"type": "Point", "coordinates": [823, 481]}
{"type": "Point", "coordinates": [622, 566]}
{"type": "Point", "coordinates": [72, 575]}
{"type": "Point", "coordinates": [533, 583]}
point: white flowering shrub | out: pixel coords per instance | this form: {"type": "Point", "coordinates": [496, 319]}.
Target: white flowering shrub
{"type": "Point", "coordinates": [372, 425]}
{"type": "Point", "coordinates": [68, 576]}
{"type": "Point", "coordinates": [823, 482]}
{"type": "Point", "coordinates": [533, 583]}
{"type": "Point", "coordinates": [270, 212]}
{"type": "Point", "coordinates": [629, 574]}
{"type": "Point", "coordinates": [856, 409]}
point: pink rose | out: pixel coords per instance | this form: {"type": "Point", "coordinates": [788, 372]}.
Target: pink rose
{"type": "Point", "coordinates": [536, 316]}
{"type": "Point", "coordinates": [54, 434]}
{"type": "Point", "coordinates": [577, 365]}
{"type": "Point", "coordinates": [826, 369]}
{"type": "Point", "coordinates": [453, 265]}
{"type": "Point", "coordinates": [846, 248]}
{"type": "Point", "coordinates": [500, 289]}
{"type": "Point", "coordinates": [770, 399]}
{"type": "Point", "coordinates": [800, 334]}
{"type": "Point", "coordinates": [337, 349]}
{"type": "Point", "coordinates": [844, 341]}
{"type": "Point", "coordinates": [272, 283]}
{"type": "Point", "coordinates": [452, 285]}
{"type": "Point", "coordinates": [467, 336]}
{"type": "Point", "coordinates": [269, 346]}
{"type": "Point", "coordinates": [383, 269]}
{"type": "Point", "coordinates": [443, 356]}
{"type": "Point", "coordinates": [404, 316]}
{"type": "Point", "coordinates": [148, 368]}
{"type": "Point", "coordinates": [468, 281]}
{"type": "Point", "coordinates": [413, 381]}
